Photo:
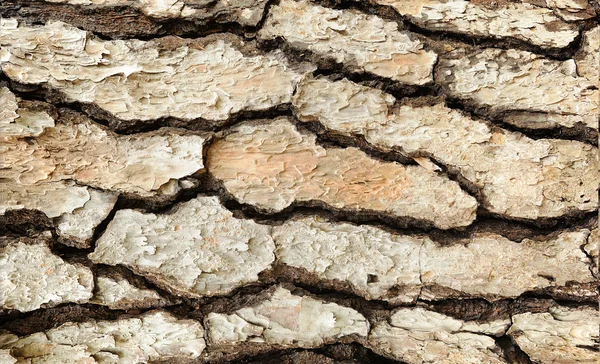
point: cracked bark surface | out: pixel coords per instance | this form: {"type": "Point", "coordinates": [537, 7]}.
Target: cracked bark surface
{"type": "Point", "coordinates": [522, 21]}
{"type": "Point", "coordinates": [247, 12]}
{"type": "Point", "coordinates": [272, 165]}
{"type": "Point", "coordinates": [32, 277]}
{"type": "Point", "coordinates": [415, 335]}
{"type": "Point", "coordinates": [524, 89]}
{"type": "Point", "coordinates": [285, 320]}
{"type": "Point", "coordinates": [191, 181]}
{"type": "Point", "coordinates": [132, 80]}
{"type": "Point", "coordinates": [152, 336]}
{"type": "Point", "coordinates": [215, 253]}
{"type": "Point", "coordinates": [516, 176]}
{"type": "Point", "coordinates": [360, 42]}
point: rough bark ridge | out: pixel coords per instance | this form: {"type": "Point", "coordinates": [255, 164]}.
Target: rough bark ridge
{"type": "Point", "coordinates": [295, 181]}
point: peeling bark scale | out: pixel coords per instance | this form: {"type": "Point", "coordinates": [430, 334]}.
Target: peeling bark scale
{"type": "Point", "coordinates": [299, 181]}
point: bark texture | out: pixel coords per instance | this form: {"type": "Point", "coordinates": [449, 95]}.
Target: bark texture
{"type": "Point", "coordinates": [299, 181]}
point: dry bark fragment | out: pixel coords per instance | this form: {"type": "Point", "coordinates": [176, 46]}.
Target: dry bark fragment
{"type": "Point", "coordinates": [92, 155]}
{"type": "Point", "coordinates": [154, 336]}
{"type": "Point", "coordinates": [526, 89]}
{"type": "Point", "coordinates": [376, 264]}
{"type": "Point", "coordinates": [517, 177]}
{"type": "Point", "coordinates": [31, 276]}
{"type": "Point", "coordinates": [491, 266]}
{"type": "Point", "coordinates": [570, 10]}
{"type": "Point", "coordinates": [53, 198]}
{"type": "Point", "coordinates": [416, 336]}
{"type": "Point", "coordinates": [140, 81]}
{"type": "Point", "coordinates": [285, 320]}
{"type": "Point", "coordinates": [522, 21]}
{"type": "Point", "coordinates": [362, 43]}
{"type": "Point", "coordinates": [244, 12]}
{"type": "Point", "coordinates": [400, 268]}
{"type": "Point", "coordinates": [119, 294]}
{"type": "Point", "coordinates": [199, 249]}
{"type": "Point", "coordinates": [6, 358]}
{"type": "Point", "coordinates": [563, 335]}
{"type": "Point", "coordinates": [272, 165]}
{"type": "Point", "coordinates": [17, 121]}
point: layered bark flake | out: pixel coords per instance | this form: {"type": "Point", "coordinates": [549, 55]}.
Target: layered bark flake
{"type": "Point", "coordinates": [245, 12]}
{"type": "Point", "coordinates": [272, 165]}
{"type": "Point", "coordinates": [285, 320]}
{"type": "Point", "coordinates": [563, 335]}
{"type": "Point", "coordinates": [135, 80]}
{"type": "Point", "coordinates": [18, 121]}
{"type": "Point", "coordinates": [376, 264]}
{"type": "Point", "coordinates": [55, 199]}
{"type": "Point", "coordinates": [569, 10]}
{"type": "Point", "coordinates": [492, 266]}
{"type": "Point", "coordinates": [119, 294]}
{"type": "Point", "coordinates": [399, 268]}
{"type": "Point", "coordinates": [31, 276]}
{"type": "Point", "coordinates": [153, 336]}
{"type": "Point", "coordinates": [519, 20]}
{"type": "Point", "coordinates": [518, 177]}
{"type": "Point", "coordinates": [417, 336]}
{"type": "Point", "coordinates": [199, 249]}
{"type": "Point", "coordinates": [6, 358]}
{"type": "Point", "coordinates": [92, 155]}
{"type": "Point", "coordinates": [360, 42]}
{"type": "Point", "coordinates": [523, 88]}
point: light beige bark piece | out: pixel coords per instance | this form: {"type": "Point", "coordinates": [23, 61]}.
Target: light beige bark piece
{"type": "Point", "coordinates": [6, 358]}
{"type": "Point", "coordinates": [375, 263]}
{"type": "Point", "coordinates": [536, 25]}
{"type": "Point", "coordinates": [380, 265]}
{"type": "Point", "coordinates": [153, 336]}
{"type": "Point", "coordinates": [138, 80]}
{"type": "Point", "coordinates": [588, 57]}
{"type": "Point", "coordinates": [119, 294]}
{"type": "Point", "coordinates": [562, 335]}
{"type": "Point", "coordinates": [244, 12]}
{"type": "Point", "coordinates": [417, 336]}
{"type": "Point", "coordinates": [522, 84]}
{"type": "Point", "coordinates": [570, 10]}
{"type": "Point", "coordinates": [197, 250]}
{"type": "Point", "coordinates": [362, 43]}
{"type": "Point", "coordinates": [271, 165]}
{"type": "Point", "coordinates": [286, 320]}
{"type": "Point", "coordinates": [20, 122]}
{"type": "Point", "coordinates": [77, 228]}
{"type": "Point", "coordinates": [492, 266]}
{"type": "Point", "coordinates": [53, 198]}
{"type": "Point", "coordinates": [31, 276]}
{"type": "Point", "coordinates": [92, 155]}
{"type": "Point", "coordinates": [518, 177]}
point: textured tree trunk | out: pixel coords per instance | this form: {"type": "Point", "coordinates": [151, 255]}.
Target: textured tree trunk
{"type": "Point", "coordinates": [254, 181]}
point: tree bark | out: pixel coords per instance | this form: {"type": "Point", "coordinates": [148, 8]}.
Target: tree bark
{"type": "Point", "coordinates": [296, 181]}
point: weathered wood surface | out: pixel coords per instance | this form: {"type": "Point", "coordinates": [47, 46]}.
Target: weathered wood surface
{"type": "Point", "coordinates": [189, 181]}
